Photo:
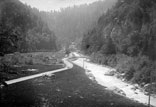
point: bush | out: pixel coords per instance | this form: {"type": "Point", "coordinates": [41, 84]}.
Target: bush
{"type": "Point", "coordinates": [5, 64]}
{"type": "Point", "coordinates": [30, 62]}
{"type": "Point", "coordinates": [125, 65]}
{"type": "Point", "coordinates": [111, 60]}
{"type": "Point", "coordinates": [16, 58]}
{"type": "Point", "coordinates": [135, 69]}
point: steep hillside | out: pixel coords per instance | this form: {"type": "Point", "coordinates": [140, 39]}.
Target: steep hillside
{"type": "Point", "coordinates": [21, 30]}
{"type": "Point", "coordinates": [125, 38]}
{"type": "Point", "coordinates": [71, 23]}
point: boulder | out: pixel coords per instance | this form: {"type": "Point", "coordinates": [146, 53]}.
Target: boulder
{"type": "Point", "coordinates": [118, 91]}
{"type": "Point", "coordinates": [112, 72]}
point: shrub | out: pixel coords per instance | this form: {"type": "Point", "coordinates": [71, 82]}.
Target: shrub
{"type": "Point", "coordinates": [124, 63]}
{"type": "Point", "coordinates": [135, 69]}
{"type": "Point", "coordinates": [29, 61]}
{"type": "Point", "coordinates": [5, 65]}
{"type": "Point", "coordinates": [111, 60]}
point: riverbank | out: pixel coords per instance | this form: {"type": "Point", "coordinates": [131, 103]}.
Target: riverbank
{"type": "Point", "coordinates": [67, 66]}
{"type": "Point", "coordinates": [18, 65]}
{"type": "Point", "coordinates": [112, 83]}
{"type": "Point", "coordinates": [70, 88]}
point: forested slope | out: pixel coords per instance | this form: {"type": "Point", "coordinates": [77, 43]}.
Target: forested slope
{"type": "Point", "coordinates": [125, 38]}
{"type": "Point", "coordinates": [69, 24]}
{"type": "Point", "coordinates": [23, 31]}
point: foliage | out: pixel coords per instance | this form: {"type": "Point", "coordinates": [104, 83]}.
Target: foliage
{"type": "Point", "coordinates": [124, 38]}
{"type": "Point", "coordinates": [69, 24]}
{"type": "Point", "coordinates": [67, 51]}
{"type": "Point", "coordinates": [21, 30]}
{"type": "Point", "coordinates": [134, 69]}
{"type": "Point", "coordinates": [127, 29]}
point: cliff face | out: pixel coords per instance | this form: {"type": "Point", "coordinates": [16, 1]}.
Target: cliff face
{"type": "Point", "coordinates": [21, 30]}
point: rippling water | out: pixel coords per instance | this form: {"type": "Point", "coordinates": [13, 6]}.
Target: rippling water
{"type": "Point", "coordinates": [35, 92]}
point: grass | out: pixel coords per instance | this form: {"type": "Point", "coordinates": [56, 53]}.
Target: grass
{"type": "Point", "coordinates": [17, 64]}
{"type": "Point", "coordinates": [21, 71]}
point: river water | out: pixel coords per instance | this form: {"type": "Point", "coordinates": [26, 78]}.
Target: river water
{"type": "Point", "coordinates": [35, 92]}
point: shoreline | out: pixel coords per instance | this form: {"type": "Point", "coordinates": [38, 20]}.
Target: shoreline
{"type": "Point", "coordinates": [113, 83]}
{"type": "Point", "coordinates": [48, 73]}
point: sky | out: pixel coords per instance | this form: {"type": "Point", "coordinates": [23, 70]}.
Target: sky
{"type": "Point", "coordinates": [51, 5]}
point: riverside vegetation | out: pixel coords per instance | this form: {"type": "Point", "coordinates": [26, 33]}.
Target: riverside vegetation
{"type": "Point", "coordinates": [125, 38]}
{"type": "Point", "coordinates": [17, 65]}
{"type": "Point", "coordinates": [22, 30]}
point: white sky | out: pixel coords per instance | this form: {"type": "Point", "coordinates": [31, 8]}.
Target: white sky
{"type": "Point", "coordinates": [48, 5]}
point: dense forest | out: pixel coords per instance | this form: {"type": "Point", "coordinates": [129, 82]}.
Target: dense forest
{"type": "Point", "coordinates": [125, 38]}
{"type": "Point", "coordinates": [21, 30]}
{"type": "Point", "coordinates": [69, 24]}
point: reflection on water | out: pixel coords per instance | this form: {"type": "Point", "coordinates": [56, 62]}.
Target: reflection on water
{"type": "Point", "coordinates": [35, 92]}
{"type": "Point", "coordinates": [44, 102]}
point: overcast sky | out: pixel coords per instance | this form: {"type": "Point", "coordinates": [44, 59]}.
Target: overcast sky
{"type": "Point", "coordinates": [48, 5]}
